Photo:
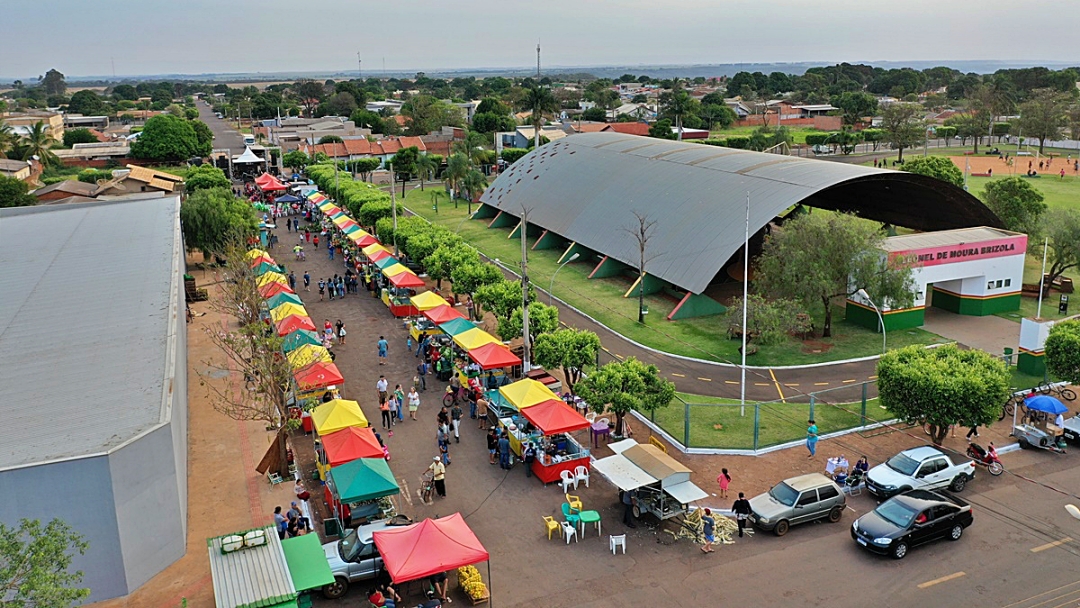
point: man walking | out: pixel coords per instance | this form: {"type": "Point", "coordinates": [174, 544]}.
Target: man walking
{"type": "Point", "coordinates": [383, 347]}
{"type": "Point", "coordinates": [381, 386]}
{"type": "Point", "coordinates": [708, 529]}
{"type": "Point", "coordinates": [307, 280]}
{"type": "Point", "coordinates": [438, 469]}
{"type": "Point", "coordinates": [742, 512]}
{"type": "Point", "coordinates": [504, 452]}
{"type": "Point", "coordinates": [455, 421]}
{"type": "Point", "coordinates": [529, 458]}
{"type": "Point", "coordinates": [811, 437]}
{"type": "Point", "coordinates": [292, 280]}
{"type": "Point", "coordinates": [421, 375]}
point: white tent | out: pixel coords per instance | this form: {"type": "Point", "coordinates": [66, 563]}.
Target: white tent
{"type": "Point", "coordinates": [248, 157]}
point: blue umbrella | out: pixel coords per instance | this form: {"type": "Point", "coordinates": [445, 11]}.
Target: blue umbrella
{"type": "Point", "coordinates": [1045, 403]}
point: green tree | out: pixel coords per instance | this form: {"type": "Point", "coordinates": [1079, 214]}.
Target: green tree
{"type": "Point", "coordinates": [330, 139]}
{"type": "Point", "coordinates": [595, 114]}
{"type": "Point", "coordinates": [295, 160]}
{"type": "Point", "coordinates": [404, 162]}
{"type": "Point", "coordinates": [78, 136]}
{"type": "Point", "coordinates": [939, 167]}
{"type": "Point", "coordinates": [943, 386]}
{"type": "Point", "coordinates": [474, 183]}
{"type": "Point", "coordinates": [717, 115]}
{"type": "Point", "coordinates": [8, 139]}
{"type": "Point", "coordinates": [457, 167]}
{"type": "Point", "coordinates": [426, 166]}
{"type": "Point", "coordinates": [1063, 351]}
{"type": "Point", "coordinates": [543, 319]}
{"type": "Point", "coordinates": [13, 193]}
{"type": "Point", "coordinates": [168, 138]}
{"type": "Point", "coordinates": [467, 278]}
{"type": "Point", "coordinates": [54, 83]}
{"type": "Point", "coordinates": [204, 177]}
{"type": "Point", "coordinates": [427, 114]}
{"type": "Point", "coordinates": [93, 176]}
{"type": "Point", "coordinates": [211, 219]}
{"type": "Point", "coordinates": [1044, 115]}
{"type": "Point", "coordinates": [511, 155]}
{"type": "Point", "coordinates": [490, 122]}
{"type": "Point", "coordinates": [818, 257]}
{"type": "Point", "coordinates": [338, 104]}
{"type": "Point", "coordinates": [204, 136]}
{"type": "Point", "coordinates": [364, 166]}
{"type": "Point", "coordinates": [1062, 227]}
{"type": "Point", "coordinates": [661, 129]}
{"type": "Point", "coordinates": [902, 126]}
{"type": "Point", "coordinates": [501, 298]}
{"type": "Point", "coordinates": [1016, 203]}
{"type": "Point", "coordinates": [570, 349]}
{"type": "Point", "coordinates": [87, 103]}
{"type": "Point", "coordinates": [855, 105]}
{"type": "Point", "coordinates": [446, 257]}
{"type": "Point", "coordinates": [539, 101]}
{"type": "Point", "coordinates": [364, 118]}
{"type": "Point", "coordinates": [767, 321]}
{"type": "Point", "coordinates": [622, 386]}
{"type": "Point", "coordinates": [38, 142]}
{"type": "Point", "coordinates": [35, 565]}
{"type": "Point", "coordinates": [125, 92]}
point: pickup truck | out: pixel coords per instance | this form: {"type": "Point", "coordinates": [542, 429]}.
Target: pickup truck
{"type": "Point", "coordinates": [1071, 429]}
{"type": "Point", "coordinates": [922, 468]}
{"type": "Point", "coordinates": [353, 558]}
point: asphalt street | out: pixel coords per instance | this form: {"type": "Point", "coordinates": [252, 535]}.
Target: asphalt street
{"type": "Point", "coordinates": [225, 133]}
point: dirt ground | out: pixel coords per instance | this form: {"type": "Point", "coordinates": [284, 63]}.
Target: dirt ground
{"type": "Point", "coordinates": [983, 164]}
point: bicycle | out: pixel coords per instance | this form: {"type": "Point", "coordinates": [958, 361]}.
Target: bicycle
{"type": "Point", "coordinates": [451, 397]}
{"type": "Point", "coordinates": [427, 487]}
{"type": "Point", "coordinates": [1061, 391]}
{"type": "Point", "coordinates": [1014, 402]}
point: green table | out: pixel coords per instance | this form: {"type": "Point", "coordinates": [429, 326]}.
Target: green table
{"type": "Point", "coordinates": [589, 517]}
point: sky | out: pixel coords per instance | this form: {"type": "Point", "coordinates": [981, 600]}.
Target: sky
{"type": "Point", "coordinates": [144, 37]}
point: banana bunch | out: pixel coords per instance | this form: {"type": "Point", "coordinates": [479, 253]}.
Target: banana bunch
{"type": "Point", "coordinates": [469, 580]}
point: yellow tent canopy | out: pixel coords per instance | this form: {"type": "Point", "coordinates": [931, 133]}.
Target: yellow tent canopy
{"type": "Point", "coordinates": [308, 354]}
{"type": "Point", "coordinates": [254, 253]}
{"type": "Point", "coordinates": [358, 234]}
{"type": "Point", "coordinates": [287, 309]}
{"type": "Point", "coordinates": [341, 219]}
{"type": "Point", "coordinates": [427, 301]}
{"type": "Point", "coordinates": [272, 277]}
{"type": "Point", "coordinates": [475, 338]}
{"type": "Point", "coordinates": [526, 393]}
{"type": "Point", "coordinates": [337, 415]}
{"type": "Point", "coordinates": [396, 269]}
{"type": "Point", "coordinates": [370, 249]}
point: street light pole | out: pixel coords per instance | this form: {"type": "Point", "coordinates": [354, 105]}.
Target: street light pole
{"type": "Point", "coordinates": [552, 283]}
{"type": "Point", "coordinates": [862, 293]}
{"type": "Point", "coordinates": [393, 206]}
{"type": "Point", "coordinates": [526, 359]}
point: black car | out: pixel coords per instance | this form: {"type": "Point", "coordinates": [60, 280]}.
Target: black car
{"type": "Point", "coordinates": [910, 519]}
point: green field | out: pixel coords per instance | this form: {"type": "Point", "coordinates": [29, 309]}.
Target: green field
{"type": "Point", "coordinates": [797, 133]}
{"type": "Point", "coordinates": [603, 299]}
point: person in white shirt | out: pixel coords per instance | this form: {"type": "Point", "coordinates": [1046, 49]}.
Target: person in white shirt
{"type": "Point", "coordinates": [382, 386]}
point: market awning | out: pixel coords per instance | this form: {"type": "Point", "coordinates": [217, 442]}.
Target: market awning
{"type": "Point", "coordinates": [288, 198]}
{"type": "Point", "coordinates": [351, 228]}
{"type": "Point", "coordinates": [427, 300]}
{"type": "Point", "coordinates": [494, 356]}
{"type": "Point", "coordinates": [307, 562]}
{"type": "Point", "coordinates": [299, 338]}
{"type": "Point", "coordinates": [267, 182]}
{"type": "Point", "coordinates": [443, 314]}
{"type": "Point", "coordinates": [335, 212]}
{"type": "Point", "coordinates": [658, 464]}
{"type": "Point", "coordinates": [406, 279]}
{"type": "Point", "coordinates": [248, 157]}
{"type": "Point", "coordinates": [283, 298]}
{"type": "Point", "coordinates": [475, 338]}
{"type": "Point", "coordinates": [686, 492]}
{"type": "Point", "coordinates": [316, 197]}
{"type": "Point", "coordinates": [336, 415]}
{"type": "Point", "coordinates": [308, 354]}
{"type": "Point", "coordinates": [284, 310]}
{"type": "Point", "coordinates": [271, 277]}
{"type": "Point", "coordinates": [624, 474]}
{"type": "Point", "coordinates": [292, 323]}
{"type": "Point", "coordinates": [363, 239]}
{"type": "Point", "coordinates": [255, 253]}
{"type": "Point", "coordinates": [342, 220]}
{"type": "Point", "coordinates": [457, 326]}
{"type": "Point", "coordinates": [362, 479]}
{"type": "Point", "coordinates": [428, 547]}
{"type": "Point", "coordinates": [272, 289]}
{"type": "Point", "coordinates": [385, 261]}
{"type": "Point", "coordinates": [350, 443]}
{"type": "Point", "coordinates": [370, 249]}
{"type": "Point", "coordinates": [253, 576]}
{"type": "Point", "coordinates": [395, 269]}
{"type": "Point", "coordinates": [527, 392]}
{"type": "Point", "coordinates": [266, 267]}
{"type": "Point", "coordinates": [253, 262]}
{"type": "Point", "coordinates": [318, 375]}
{"type": "Point", "coordinates": [554, 416]}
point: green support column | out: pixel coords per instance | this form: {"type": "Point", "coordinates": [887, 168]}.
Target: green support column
{"type": "Point", "coordinates": [485, 211]}
{"type": "Point", "coordinates": [696, 305]}
{"type": "Point", "coordinates": [571, 250]}
{"type": "Point", "coordinates": [652, 285]}
{"type": "Point", "coordinates": [503, 220]}
{"type": "Point", "coordinates": [548, 240]}
{"type": "Point", "coordinates": [608, 267]}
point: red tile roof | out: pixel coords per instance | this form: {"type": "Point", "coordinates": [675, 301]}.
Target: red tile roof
{"type": "Point", "coordinates": [630, 128]}
{"type": "Point", "coordinates": [592, 127]}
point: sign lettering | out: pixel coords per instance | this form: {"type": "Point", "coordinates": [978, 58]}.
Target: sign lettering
{"type": "Point", "coordinates": [933, 256]}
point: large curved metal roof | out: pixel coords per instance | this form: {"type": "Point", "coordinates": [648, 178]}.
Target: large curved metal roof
{"type": "Point", "coordinates": [586, 187]}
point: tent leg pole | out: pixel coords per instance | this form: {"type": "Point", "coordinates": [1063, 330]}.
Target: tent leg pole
{"type": "Point", "coordinates": [490, 594]}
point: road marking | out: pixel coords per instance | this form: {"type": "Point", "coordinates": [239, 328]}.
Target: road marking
{"type": "Point", "coordinates": [777, 383]}
{"type": "Point", "coordinates": [1056, 543]}
{"type": "Point", "coordinates": [821, 384]}
{"type": "Point", "coordinates": [405, 484]}
{"type": "Point", "coordinates": [941, 580]}
{"type": "Point", "coordinates": [730, 382]}
{"type": "Point", "coordinates": [1045, 593]}
{"type": "Point", "coordinates": [705, 379]}
{"type": "Point", "coordinates": [848, 381]}
{"type": "Point", "coordinates": [677, 375]}
{"type": "Point", "coordinates": [872, 377]}
{"type": "Point", "coordinates": [761, 384]}
{"type": "Point", "coordinates": [796, 384]}
{"type": "Point", "coordinates": [617, 355]}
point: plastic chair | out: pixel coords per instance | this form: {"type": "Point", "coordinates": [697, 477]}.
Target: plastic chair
{"type": "Point", "coordinates": [616, 541]}
{"type": "Point", "coordinates": [581, 473]}
{"type": "Point", "coordinates": [591, 417]}
{"type": "Point", "coordinates": [567, 479]}
{"type": "Point", "coordinates": [552, 525]}
{"type": "Point", "coordinates": [568, 531]}
{"type": "Point", "coordinates": [569, 514]}
{"type": "Point", "coordinates": [575, 502]}
{"type": "Point", "coordinates": [275, 479]}
{"type": "Point", "coordinates": [605, 421]}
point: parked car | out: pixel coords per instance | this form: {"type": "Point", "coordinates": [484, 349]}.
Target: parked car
{"type": "Point", "coordinates": [353, 558]}
{"type": "Point", "coordinates": [912, 518]}
{"type": "Point", "coordinates": [797, 500]}
{"type": "Point", "coordinates": [922, 468]}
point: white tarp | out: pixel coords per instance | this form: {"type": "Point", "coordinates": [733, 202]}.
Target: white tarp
{"type": "Point", "coordinates": [686, 492]}
{"type": "Point", "coordinates": [623, 473]}
{"type": "Point", "coordinates": [248, 157]}
{"type": "Point", "coordinates": [621, 446]}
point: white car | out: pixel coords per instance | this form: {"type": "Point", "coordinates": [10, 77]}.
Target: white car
{"type": "Point", "coordinates": [353, 558]}
{"type": "Point", "coordinates": [922, 468]}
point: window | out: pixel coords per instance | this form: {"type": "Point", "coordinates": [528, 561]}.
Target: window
{"type": "Point", "coordinates": [1008, 282]}
{"type": "Point", "coordinates": [998, 284]}
{"type": "Point", "coordinates": [989, 284]}
{"type": "Point", "coordinates": [827, 492]}
{"type": "Point", "coordinates": [808, 497]}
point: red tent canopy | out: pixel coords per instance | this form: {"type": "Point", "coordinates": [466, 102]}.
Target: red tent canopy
{"type": "Point", "coordinates": [494, 356]}
{"type": "Point", "coordinates": [349, 444]}
{"type": "Point", "coordinates": [406, 279]}
{"type": "Point", "coordinates": [429, 547]}
{"type": "Point", "coordinates": [442, 314]}
{"type": "Point", "coordinates": [261, 259]}
{"type": "Point", "coordinates": [267, 182]}
{"type": "Point", "coordinates": [320, 375]}
{"type": "Point", "coordinates": [272, 288]}
{"type": "Point", "coordinates": [292, 323]}
{"type": "Point", "coordinates": [366, 240]}
{"type": "Point", "coordinates": [377, 255]}
{"type": "Point", "coordinates": [553, 417]}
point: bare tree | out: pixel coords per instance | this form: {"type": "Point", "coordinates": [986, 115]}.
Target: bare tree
{"type": "Point", "coordinates": [642, 229]}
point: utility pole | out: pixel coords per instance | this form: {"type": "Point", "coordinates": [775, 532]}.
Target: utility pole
{"type": "Point", "coordinates": [526, 358]}
{"type": "Point", "coordinates": [393, 205]}
{"type": "Point", "coordinates": [360, 70]}
{"type": "Point", "coordinates": [538, 62]}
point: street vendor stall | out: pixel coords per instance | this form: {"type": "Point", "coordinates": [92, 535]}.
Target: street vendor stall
{"type": "Point", "coordinates": [348, 444]}
{"type": "Point", "coordinates": [474, 338]}
{"type": "Point", "coordinates": [272, 289]}
{"type": "Point", "coordinates": [663, 484]}
{"type": "Point", "coordinates": [443, 314]}
{"type": "Point", "coordinates": [362, 239]}
{"type": "Point", "coordinates": [306, 355]}
{"type": "Point", "coordinates": [286, 309]}
{"type": "Point", "coordinates": [489, 364]}
{"type": "Point", "coordinates": [356, 487]}
{"type": "Point", "coordinates": [422, 326]}
{"type": "Point", "coordinates": [519, 396]}
{"type": "Point", "coordinates": [337, 415]}
{"type": "Point", "coordinates": [317, 379]}
{"type": "Point", "coordinates": [283, 298]}
{"type": "Point", "coordinates": [292, 323]}
{"type": "Point", "coordinates": [556, 449]}
{"type": "Point", "coordinates": [298, 338]}
{"type": "Point", "coordinates": [256, 568]}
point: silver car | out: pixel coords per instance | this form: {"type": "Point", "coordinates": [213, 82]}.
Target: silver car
{"type": "Point", "coordinates": [797, 500]}
{"type": "Point", "coordinates": [353, 558]}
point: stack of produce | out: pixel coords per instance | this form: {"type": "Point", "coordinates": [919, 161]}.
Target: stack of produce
{"type": "Point", "coordinates": [469, 580]}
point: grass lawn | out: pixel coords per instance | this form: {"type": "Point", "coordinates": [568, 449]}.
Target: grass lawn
{"type": "Point", "coordinates": [797, 133]}
{"type": "Point", "coordinates": [715, 422]}
{"type": "Point", "coordinates": [602, 299]}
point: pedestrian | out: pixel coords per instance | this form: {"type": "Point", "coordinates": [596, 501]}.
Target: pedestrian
{"type": "Point", "coordinates": [723, 479]}
{"type": "Point", "coordinates": [1062, 173]}
{"type": "Point", "coordinates": [322, 289]}
{"type": "Point", "coordinates": [742, 512]}
{"type": "Point", "coordinates": [443, 417]}
{"type": "Point", "coordinates": [811, 437]}
{"type": "Point", "coordinates": [399, 400]}
{"type": "Point", "coordinates": [307, 281]}
{"type": "Point", "coordinates": [331, 288]}
{"type": "Point", "coordinates": [280, 523]}
{"type": "Point", "coordinates": [438, 470]}
{"type": "Point", "coordinates": [421, 375]}
{"type": "Point", "coordinates": [341, 332]}
{"type": "Point", "coordinates": [408, 342]}
{"type": "Point", "coordinates": [493, 445]}
{"type": "Point", "coordinates": [709, 529]}
{"type": "Point", "coordinates": [455, 421]}
{"type": "Point", "coordinates": [292, 280]}
{"type": "Point", "coordinates": [504, 452]}
{"type": "Point", "coordinates": [383, 347]}
{"type": "Point", "coordinates": [384, 407]}
{"type": "Point", "coordinates": [471, 396]}
{"type": "Point", "coordinates": [628, 499]}
{"type": "Point", "coordinates": [529, 457]}
{"type": "Point", "coordinates": [315, 241]}
{"type": "Point", "coordinates": [414, 403]}
{"type": "Point", "coordinates": [381, 386]}
{"type": "Point", "coordinates": [337, 327]}
{"type": "Point", "coordinates": [421, 344]}
{"type": "Point", "coordinates": [330, 249]}
{"type": "Point", "coordinates": [307, 236]}
{"type": "Point", "coordinates": [470, 307]}
{"type": "Point", "coordinates": [444, 449]}
{"type": "Point", "coordinates": [481, 413]}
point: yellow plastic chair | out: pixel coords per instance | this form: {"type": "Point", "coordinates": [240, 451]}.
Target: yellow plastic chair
{"type": "Point", "coordinates": [552, 526]}
{"type": "Point", "coordinates": [574, 501]}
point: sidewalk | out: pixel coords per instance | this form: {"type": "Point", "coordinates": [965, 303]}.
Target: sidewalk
{"type": "Point", "coordinates": [990, 333]}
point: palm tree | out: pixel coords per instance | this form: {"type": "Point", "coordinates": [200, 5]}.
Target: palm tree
{"type": "Point", "coordinates": [7, 138]}
{"type": "Point", "coordinates": [538, 100]}
{"type": "Point", "coordinates": [38, 143]}
{"type": "Point", "coordinates": [474, 183]}
{"type": "Point", "coordinates": [425, 168]}
{"type": "Point", "coordinates": [472, 146]}
{"type": "Point", "coordinates": [457, 167]}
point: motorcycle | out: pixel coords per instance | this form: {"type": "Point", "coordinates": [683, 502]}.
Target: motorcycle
{"type": "Point", "coordinates": [984, 458]}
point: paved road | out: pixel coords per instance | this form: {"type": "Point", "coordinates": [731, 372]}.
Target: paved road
{"type": "Point", "coordinates": [225, 133]}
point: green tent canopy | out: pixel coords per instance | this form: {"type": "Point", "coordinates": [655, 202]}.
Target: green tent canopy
{"type": "Point", "coordinates": [457, 326]}
{"type": "Point", "coordinates": [387, 261]}
{"type": "Point", "coordinates": [266, 267]}
{"type": "Point", "coordinates": [283, 298]}
{"type": "Point", "coordinates": [299, 338]}
{"type": "Point", "coordinates": [307, 562]}
{"type": "Point", "coordinates": [363, 479]}
{"type": "Point", "coordinates": [351, 228]}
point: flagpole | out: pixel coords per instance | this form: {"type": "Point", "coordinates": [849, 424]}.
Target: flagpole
{"type": "Point", "coordinates": [1042, 279]}
{"type": "Point", "coordinates": [745, 289]}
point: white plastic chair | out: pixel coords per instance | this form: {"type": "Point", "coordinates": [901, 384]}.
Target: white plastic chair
{"type": "Point", "coordinates": [569, 530]}
{"type": "Point", "coordinates": [567, 479]}
{"type": "Point", "coordinates": [605, 421]}
{"type": "Point", "coordinates": [590, 417]}
{"type": "Point", "coordinates": [616, 541]}
{"type": "Point", "coordinates": [581, 474]}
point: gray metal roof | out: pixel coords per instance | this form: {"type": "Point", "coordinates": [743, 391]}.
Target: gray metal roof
{"type": "Point", "coordinates": [255, 576]}
{"type": "Point", "coordinates": [585, 187]}
{"type": "Point", "coordinates": [945, 238]}
{"type": "Point", "coordinates": [88, 312]}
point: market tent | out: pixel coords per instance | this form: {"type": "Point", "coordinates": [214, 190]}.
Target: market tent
{"type": "Point", "coordinates": [292, 323]}
{"type": "Point", "coordinates": [272, 289]}
{"type": "Point", "coordinates": [363, 239]}
{"type": "Point", "coordinates": [385, 261]}
{"type": "Point", "coordinates": [474, 338]}
{"type": "Point", "coordinates": [299, 338]}
{"type": "Point", "coordinates": [457, 326]}
{"type": "Point", "coordinates": [318, 375]}
{"type": "Point", "coordinates": [370, 249]}
{"type": "Point", "coordinates": [271, 277]}
{"type": "Point", "coordinates": [253, 576]}
{"type": "Point", "coordinates": [338, 414]}
{"type": "Point", "coordinates": [351, 227]}
{"type": "Point", "coordinates": [554, 416]}
{"type": "Point", "coordinates": [308, 354]}
{"type": "Point", "coordinates": [307, 562]}
{"type": "Point", "coordinates": [429, 547]}
{"type": "Point", "coordinates": [286, 309]}
{"type": "Point", "coordinates": [443, 314]}
{"type": "Point", "coordinates": [427, 300]}
{"type": "Point", "coordinates": [494, 356]}
{"type": "Point", "coordinates": [288, 198]}
{"type": "Point", "coordinates": [282, 298]}
{"type": "Point", "coordinates": [248, 157]}
{"type": "Point", "coordinates": [525, 393]}
{"type": "Point", "coordinates": [316, 197]}
{"type": "Point", "coordinates": [406, 279]}
{"type": "Point", "coordinates": [395, 269]}
{"type": "Point", "coordinates": [362, 479]}
{"type": "Point", "coordinates": [266, 267]}
{"type": "Point", "coordinates": [335, 212]}
{"type": "Point", "coordinates": [255, 253]}
{"type": "Point", "coordinates": [349, 444]}
{"type": "Point", "coordinates": [624, 474]}
{"type": "Point", "coordinates": [267, 182]}
{"type": "Point", "coordinates": [253, 262]}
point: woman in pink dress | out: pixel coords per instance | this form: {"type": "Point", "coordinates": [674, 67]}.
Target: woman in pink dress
{"type": "Point", "coordinates": [724, 480]}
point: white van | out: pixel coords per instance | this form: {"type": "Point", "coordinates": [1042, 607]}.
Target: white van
{"type": "Point", "coordinates": [249, 140]}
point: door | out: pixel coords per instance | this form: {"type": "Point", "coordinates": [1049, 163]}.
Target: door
{"type": "Point", "coordinates": [923, 528]}
{"type": "Point", "coordinates": [939, 478]}
{"type": "Point", "coordinates": [926, 476]}
{"type": "Point", "coordinates": [805, 507]}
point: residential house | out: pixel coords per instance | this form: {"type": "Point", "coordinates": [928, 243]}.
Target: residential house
{"type": "Point", "coordinates": [65, 189]}
{"type": "Point", "coordinates": [388, 106]}
{"type": "Point", "coordinates": [630, 128]}
{"type": "Point", "coordinates": [741, 109]}
{"type": "Point", "coordinates": [523, 137]}
{"type": "Point", "coordinates": [105, 150]}
{"type": "Point", "coordinates": [19, 169]}
{"type": "Point", "coordinates": [468, 109]}
{"type": "Point", "coordinates": [354, 149]}
{"type": "Point", "coordinates": [22, 122]}
{"type": "Point", "coordinates": [75, 121]}
{"type": "Point", "coordinates": [639, 111]}
{"type": "Point", "coordinates": [140, 179]}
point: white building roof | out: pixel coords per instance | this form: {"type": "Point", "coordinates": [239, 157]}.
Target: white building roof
{"type": "Point", "coordinates": [945, 238]}
{"type": "Point", "coordinates": [255, 576]}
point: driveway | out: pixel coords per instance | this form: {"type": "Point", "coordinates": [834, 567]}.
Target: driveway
{"type": "Point", "coordinates": [990, 333]}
